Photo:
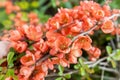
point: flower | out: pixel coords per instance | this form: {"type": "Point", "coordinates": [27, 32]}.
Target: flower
{"type": "Point", "coordinates": [24, 71]}
{"type": "Point", "coordinates": [83, 42]}
{"type": "Point", "coordinates": [15, 35]}
{"type": "Point", "coordinates": [62, 44]}
{"type": "Point", "coordinates": [107, 26]}
{"type": "Point", "coordinates": [34, 33]}
{"type": "Point", "coordinates": [20, 46]}
{"type": "Point", "coordinates": [28, 59]}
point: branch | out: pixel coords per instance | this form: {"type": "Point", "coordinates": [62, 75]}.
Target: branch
{"type": "Point", "coordinates": [42, 59]}
{"type": "Point", "coordinates": [111, 17]}
{"type": "Point", "coordinates": [84, 33]}
{"type": "Point", "coordinates": [97, 62]}
{"type": "Point", "coordinates": [65, 25]}
{"type": "Point", "coordinates": [95, 26]}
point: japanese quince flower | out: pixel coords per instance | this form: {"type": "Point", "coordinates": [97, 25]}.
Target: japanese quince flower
{"type": "Point", "coordinates": [94, 53]}
{"type": "Point", "coordinates": [24, 71]}
{"type": "Point", "coordinates": [15, 35]}
{"type": "Point", "coordinates": [28, 59]}
{"type": "Point", "coordinates": [19, 46]}
{"type": "Point", "coordinates": [62, 44]}
{"type": "Point", "coordinates": [107, 26]}
{"type": "Point", "coordinates": [34, 33]}
{"type": "Point", "coordinates": [83, 42]}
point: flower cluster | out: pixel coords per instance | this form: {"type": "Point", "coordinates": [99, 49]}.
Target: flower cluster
{"type": "Point", "coordinates": [62, 39]}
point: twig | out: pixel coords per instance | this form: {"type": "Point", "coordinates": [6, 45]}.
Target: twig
{"type": "Point", "coordinates": [111, 17]}
{"type": "Point", "coordinates": [65, 25]}
{"type": "Point", "coordinates": [84, 33]}
{"type": "Point", "coordinates": [105, 77]}
{"type": "Point", "coordinates": [97, 62]}
{"type": "Point", "coordinates": [95, 26]}
{"type": "Point", "coordinates": [109, 70]}
{"type": "Point", "coordinates": [42, 59]}
{"type": "Point", "coordinates": [112, 43]}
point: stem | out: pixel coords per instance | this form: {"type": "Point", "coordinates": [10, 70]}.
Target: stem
{"type": "Point", "coordinates": [84, 33]}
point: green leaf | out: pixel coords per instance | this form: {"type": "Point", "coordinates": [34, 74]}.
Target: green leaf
{"type": "Point", "coordinates": [59, 78]}
{"type": "Point", "coordinates": [24, 5]}
{"type": "Point", "coordinates": [68, 5]}
{"type": "Point", "coordinates": [10, 72]}
{"type": "Point", "coordinates": [53, 3]}
{"type": "Point", "coordinates": [15, 77]}
{"type": "Point", "coordinates": [61, 69]}
{"type": "Point", "coordinates": [0, 69]}
{"type": "Point", "coordinates": [113, 63]}
{"type": "Point", "coordinates": [2, 60]}
{"type": "Point", "coordinates": [10, 58]}
{"type": "Point", "coordinates": [80, 61]}
{"type": "Point", "coordinates": [2, 77]}
{"type": "Point", "coordinates": [34, 4]}
{"type": "Point", "coordinates": [77, 66]}
{"type": "Point", "coordinates": [109, 50]}
{"type": "Point", "coordinates": [117, 55]}
{"type": "Point", "coordinates": [67, 76]}
{"type": "Point", "coordinates": [82, 70]}
{"type": "Point", "coordinates": [88, 69]}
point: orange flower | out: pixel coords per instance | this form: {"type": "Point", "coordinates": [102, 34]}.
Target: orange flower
{"type": "Point", "coordinates": [41, 45]}
{"type": "Point", "coordinates": [99, 14]}
{"type": "Point", "coordinates": [107, 26]}
{"type": "Point", "coordinates": [51, 37]}
{"type": "Point", "coordinates": [106, 10]}
{"type": "Point", "coordinates": [15, 35]}
{"type": "Point", "coordinates": [9, 78]}
{"type": "Point", "coordinates": [63, 62]}
{"type": "Point", "coordinates": [34, 33]}
{"type": "Point", "coordinates": [62, 44]}
{"type": "Point", "coordinates": [83, 42]}
{"type": "Point", "coordinates": [76, 52]}
{"type": "Point", "coordinates": [72, 59]}
{"type": "Point", "coordinates": [94, 52]}
{"type": "Point", "coordinates": [19, 46]}
{"type": "Point", "coordinates": [28, 59]}
{"type": "Point", "coordinates": [64, 16]}
{"type": "Point", "coordinates": [24, 71]}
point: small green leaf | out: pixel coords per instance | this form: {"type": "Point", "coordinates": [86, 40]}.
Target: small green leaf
{"type": "Point", "coordinates": [0, 69]}
{"type": "Point", "coordinates": [35, 4]}
{"type": "Point", "coordinates": [117, 55]}
{"type": "Point", "coordinates": [67, 76]}
{"type": "Point", "coordinates": [88, 69]}
{"type": "Point", "coordinates": [59, 78]}
{"type": "Point", "coordinates": [82, 70]}
{"type": "Point", "coordinates": [80, 61]}
{"type": "Point", "coordinates": [10, 72]}
{"type": "Point", "coordinates": [109, 50]}
{"type": "Point", "coordinates": [10, 58]}
{"type": "Point", "coordinates": [15, 77]}
{"type": "Point", "coordinates": [2, 60]}
{"type": "Point", "coordinates": [53, 3]}
{"type": "Point", "coordinates": [77, 66]}
{"type": "Point", "coordinates": [113, 63]}
{"type": "Point", "coordinates": [2, 77]}
{"type": "Point", "coordinates": [61, 69]}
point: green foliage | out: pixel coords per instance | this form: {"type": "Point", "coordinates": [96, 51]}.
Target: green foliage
{"type": "Point", "coordinates": [2, 60]}
{"type": "Point", "coordinates": [109, 50]}
{"type": "Point", "coordinates": [61, 70]}
{"type": "Point", "coordinates": [10, 59]}
{"type": "Point", "coordinates": [115, 4]}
